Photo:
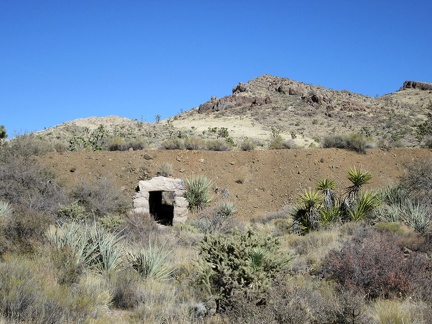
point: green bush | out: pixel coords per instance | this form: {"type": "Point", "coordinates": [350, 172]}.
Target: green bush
{"type": "Point", "coordinates": [197, 192]}
{"type": "Point", "coordinates": [239, 263]}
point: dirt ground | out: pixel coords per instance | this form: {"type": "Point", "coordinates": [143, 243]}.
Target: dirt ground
{"type": "Point", "coordinates": [258, 182]}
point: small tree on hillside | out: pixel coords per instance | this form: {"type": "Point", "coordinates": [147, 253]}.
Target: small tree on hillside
{"type": "Point", "coordinates": [3, 133]}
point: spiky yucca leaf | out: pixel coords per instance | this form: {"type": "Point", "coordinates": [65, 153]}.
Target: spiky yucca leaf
{"type": "Point", "coordinates": [152, 262]}
{"type": "Point", "coordinates": [329, 215]}
{"type": "Point", "coordinates": [92, 246]}
{"type": "Point", "coordinates": [367, 202]}
{"type": "Point", "coordinates": [306, 215]}
{"type": "Point", "coordinates": [226, 208]}
{"type": "Point", "coordinates": [311, 198]}
{"type": "Point", "coordinates": [197, 191]}
{"type": "Point", "coordinates": [5, 209]}
{"type": "Point", "coordinates": [359, 177]}
{"type": "Point", "coordinates": [416, 215]}
{"type": "Point", "coordinates": [326, 184]}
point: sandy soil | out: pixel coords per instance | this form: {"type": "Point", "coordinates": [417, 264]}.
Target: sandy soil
{"type": "Point", "coordinates": [258, 182]}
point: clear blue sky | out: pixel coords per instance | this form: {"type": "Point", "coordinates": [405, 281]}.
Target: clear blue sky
{"type": "Point", "coordinates": [62, 60]}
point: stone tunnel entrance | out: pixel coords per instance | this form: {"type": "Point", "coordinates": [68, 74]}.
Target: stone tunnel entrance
{"type": "Point", "coordinates": [161, 206]}
{"type": "Point", "coordinates": [163, 198]}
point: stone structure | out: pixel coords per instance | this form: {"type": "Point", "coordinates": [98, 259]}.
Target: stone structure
{"type": "Point", "coordinates": [163, 198]}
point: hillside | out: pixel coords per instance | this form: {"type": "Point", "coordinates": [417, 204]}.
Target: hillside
{"type": "Point", "coordinates": [267, 105]}
{"type": "Point", "coordinates": [258, 182]}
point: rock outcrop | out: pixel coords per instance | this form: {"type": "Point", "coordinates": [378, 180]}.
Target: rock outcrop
{"type": "Point", "coordinates": [416, 85]}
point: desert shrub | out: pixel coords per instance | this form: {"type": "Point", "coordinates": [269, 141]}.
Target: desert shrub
{"type": "Point", "coordinates": [29, 145]}
{"type": "Point", "coordinates": [74, 212]}
{"type": "Point", "coordinates": [354, 142]}
{"type": "Point", "coordinates": [217, 219]}
{"type": "Point", "coordinates": [25, 229]}
{"type": "Point", "coordinates": [277, 143]}
{"type": "Point", "coordinates": [217, 145]}
{"type": "Point", "coordinates": [300, 301]}
{"type": "Point", "coordinates": [139, 226]}
{"type": "Point", "coordinates": [427, 141]}
{"type": "Point", "coordinates": [112, 223]}
{"type": "Point", "coordinates": [239, 263]}
{"type": "Point", "coordinates": [138, 144]}
{"type": "Point", "coordinates": [372, 263]}
{"type": "Point", "coordinates": [95, 140]}
{"type": "Point", "coordinates": [101, 197]}
{"type": "Point", "coordinates": [117, 144]}
{"type": "Point", "coordinates": [424, 129]}
{"type": "Point", "coordinates": [396, 311]}
{"type": "Point", "coordinates": [247, 145]}
{"type": "Point", "coordinates": [126, 289]}
{"type": "Point", "coordinates": [151, 263]}
{"type": "Point", "coordinates": [122, 144]}
{"type": "Point", "coordinates": [165, 169]}
{"type": "Point", "coordinates": [19, 290]}
{"type": "Point", "coordinates": [26, 296]}
{"type": "Point", "coordinates": [197, 191]}
{"type": "Point", "coordinates": [173, 144]}
{"type": "Point", "coordinates": [25, 182]}
{"type": "Point", "coordinates": [194, 143]}
{"type": "Point", "coordinates": [163, 304]}
{"type": "Point", "coordinates": [418, 179]}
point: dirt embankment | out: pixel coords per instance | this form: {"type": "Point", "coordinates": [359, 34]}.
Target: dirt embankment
{"type": "Point", "coordinates": [258, 182]}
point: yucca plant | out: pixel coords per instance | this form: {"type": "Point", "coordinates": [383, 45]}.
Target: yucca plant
{"type": "Point", "coordinates": [74, 237]}
{"type": "Point", "coordinates": [329, 215]}
{"type": "Point", "coordinates": [358, 178]}
{"type": "Point", "coordinates": [226, 208]}
{"type": "Point", "coordinates": [92, 246]}
{"type": "Point", "coordinates": [416, 215]}
{"type": "Point", "coordinates": [306, 215]}
{"type": "Point", "coordinates": [364, 204]}
{"type": "Point", "coordinates": [326, 186]}
{"type": "Point", "coordinates": [197, 191]}
{"type": "Point", "coordinates": [108, 250]}
{"type": "Point", "coordinates": [151, 263]}
{"type": "Point", "coordinates": [5, 209]}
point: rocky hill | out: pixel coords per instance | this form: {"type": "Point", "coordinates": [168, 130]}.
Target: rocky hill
{"type": "Point", "coordinates": [269, 105]}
